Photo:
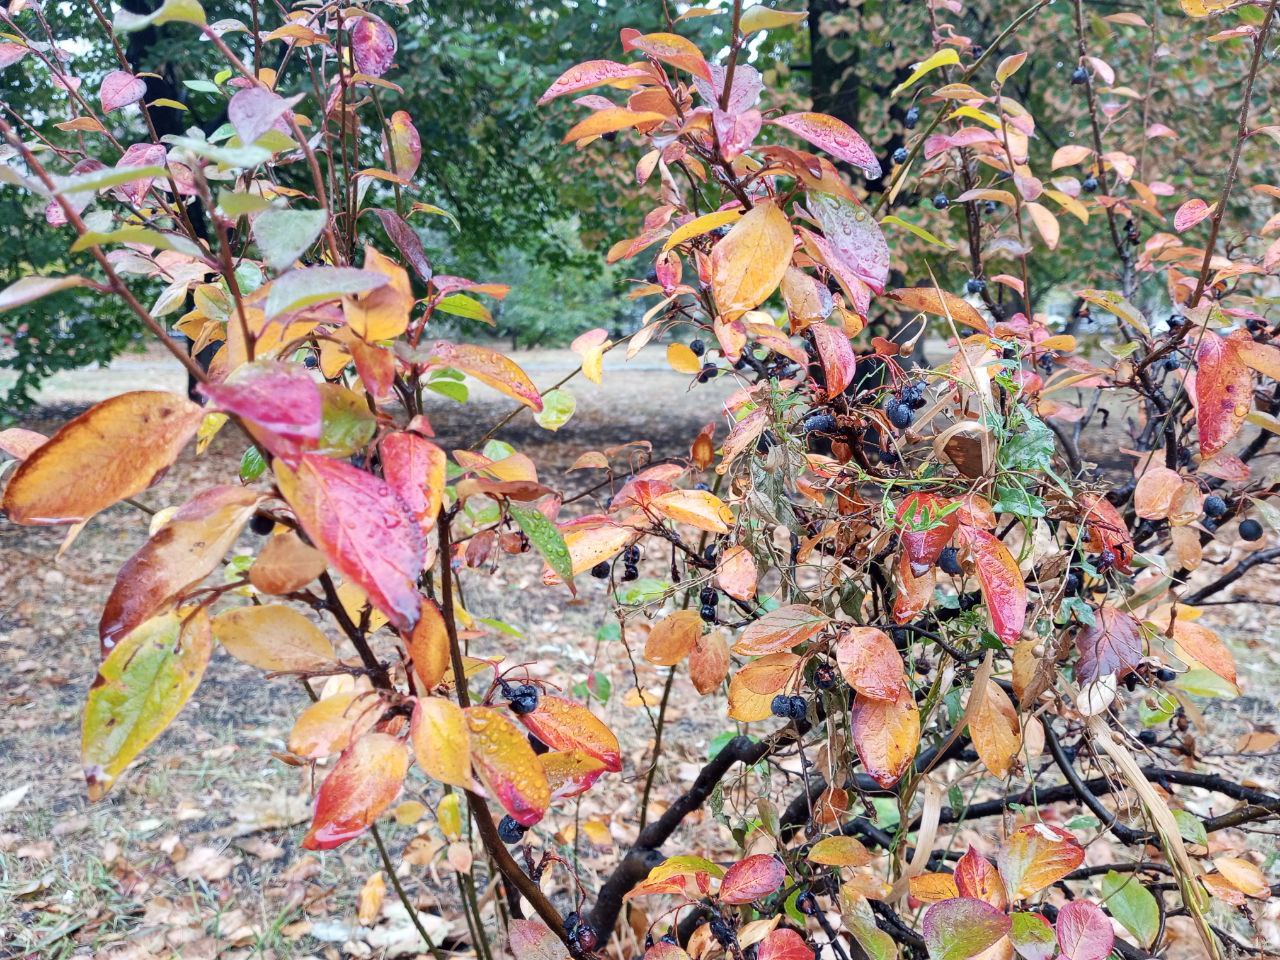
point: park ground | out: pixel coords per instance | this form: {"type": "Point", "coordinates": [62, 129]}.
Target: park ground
{"type": "Point", "coordinates": [196, 853]}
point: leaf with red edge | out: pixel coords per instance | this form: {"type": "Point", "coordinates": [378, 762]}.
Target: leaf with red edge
{"type": "Point", "coordinates": [1035, 856]}
{"type": "Point", "coordinates": [736, 573]}
{"type": "Point", "coordinates": [1084, 931]}
{"type": "Point", "coordinates": [404, 152]}
{"type": "Point", "coordinates": [428, 646]}
{"type": "Point", "coordinates": [362, 784]}
{"type": "Point", "coordinates": [416, 470]}
{"type": "Point", "coordinates": [570, 773]}
{"type": "Point", "coordinates": [870, 663]}
{"type": "Point", "coordinates": [886, 734]}
{"type": "Point", "coordinates": [752, 879]}
{"type": "Point", "coordinates": [111, 451]}
{"type": "Point", "coordinates": [962, 928]}
{"type": "Point", "coordinates": [833, 136]}
{"type": "Point", "coordinates": [1223, 392]}
{"type": "Point", "coordinates": [1196, 642]}
{"type": "Point", "coordinates": [853, 236]}
{"type": "Point", "coordinates": [1106, 529]}
{"type": "Point", "coordinates": [781, 629]}
{"type": "Point", "coordinates": [280, 402]}
{"type": "Point", "coordinates": [20, 443]}
{"type": "Point", "coordinates": [1003, 590]}
{"type": "Point", "coordinates": [490, 368]}
{"type": "Point", "coordinates": [589, 74]}
{"type": "Point", "coordinates": [923, 547]}
{"type": "Point", "coordinates": [177, 557]}
{"type": "Point", "coordinates": [914, 593]}
{"type": "Point", "coordinates": [507, 765]}
{"type": "Point", "coordinates": [406, 240]}
{"type": "Point", "coordinates": [1190, 213]}
{"type": "Point", "coordinates": [837, 357]}
{"type": "Point", "coordinates": [977, 877]}
{"type": "Point", "coordinates": [119, 89]}
{"type": "Point", "coordinates": [783, 944]}
{"type": "Point", "coordinates": [940, 304]}
{"type": "Point", "coordinates": [441, 741]}
{"type": "Point", "coordinates": [363, 529]}
{"type": "Point", "coordinates": [1032, 936]}
{"type": "Point", "coordinates": [373, 44]}
{"type": "Point", "coordinates": [565, 725]}
{"type": "Point", "coordinates": [994, 729]}
{"type": "Point", "coordinates": [1112, 645]}
{"type": "Point", "coordinates": [669, 48]}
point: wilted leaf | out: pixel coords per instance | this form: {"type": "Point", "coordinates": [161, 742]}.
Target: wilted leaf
{"type": "Point", "coordinates": [363, 783]}
{"type": "Point", "coordinates": [940, 304]}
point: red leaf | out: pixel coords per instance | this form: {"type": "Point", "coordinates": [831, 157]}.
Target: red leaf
{"type": "Point", "coordinates": [119, 89]}
{"type": "Point", "coordinates": [281, 402]}
{"type": "Point", "coordinates": [837, 356]}
{"type": "Point", "coordinates": [407, 241]}
{"type": "Point", "coordinates": [374, 45]}
{"type": "Point", "coordinates": [1189, 214]}
{"type": "Point", "coordinates": [752, 879]}
{"type": "Point", "coordinates": [977, 877]}
{"type": "Point", "coordinates": [1003, 590]}
{"type": "Point", "coordinates": [592, 73]}
{"type": "Point", "coordinates": [1113, 645]}
{"type": "Point", "coordinates": [1084, 932]}
{"type": "Point", "coordinates": [564, 725]}
{"type": "Point", "coordinates": [835, 137]}
{"type": "Point", "coordinates": [783, 944]}
{"type": "Point", "coordinates": [415, 469]}
{"type": "Point", "coordinates": [1224, 392]}
{"type": "Point", "coordinates": [364, 530]}
{"type": "Point", "coordinates": [1106, 528]}
{"type": "Point", "coordinates": [923, 547]}
{"type": "Point", "coordinates": [366, 778]}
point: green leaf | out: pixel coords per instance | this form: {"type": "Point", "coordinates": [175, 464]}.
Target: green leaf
{"type": "Point", "coordinates": [242, 156]}
{"type": "Point", "coordinates": [460, 305]}
{"type": "Point", "coordinates": [152, 238]}
{"type": "Point", "coordinates": [455, 391]}
{"type": "Point", "coordinates": [1206, 683]}
{"type": "Point", "coordinates": [142, 685]}
{"type": "Point", "coordinates": [346, 423]}
{"type": "Point", "coordinates": [171, 11]}
{"type": "Point", "coordinates": [557, 407]}
{"type": "Point", "coordinates": [238, 204]}
{"type": "Point", "coordinates": [1133, 905]}
{"type": "Point", "coordinates": [1191, 827]}
{"type": "Point", "coordinates": [284, 235]}
{"type": "Point", "coordinates": [920, 232]}
{"type": "Point", "coordinates": [110, 177]}
{"type": "Point", "coordinates": [252, 465]}
{"type": "Point", "coordinates": [546, 539]}
{"type": "Point", "coordinates": [1029, 448]}
{"type": "Point", "coordinates": [1018, 501]}
{"type": "Point", "coordinates": [201, 86]}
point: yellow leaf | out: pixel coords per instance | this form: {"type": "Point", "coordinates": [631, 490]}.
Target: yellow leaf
{"type": "Point", "coordinates": [942, 58]}
{"type": "Point", "coordinates": [381, 313]}
{"type": "Point", "coordinates": [682, 359]}
{"type": "Point", "coordinates": [700, 225]}
{"type": "Point", "coordinates": [1009, 66]}
{"type": "Point", "coordinates": [993, 728]}
{"type": "Point", "coordinates": [610, 120]}
{"type": "Point", "coordinates": [371, 896]}
{"type": "Point", "coordinates": [273, 637]}
{"type": "Point", "coordinates": [698, 508]}
{"type": "Point", "coordinates": [761, 17]}
{"type": "Point", "coordinates": [749, 263]}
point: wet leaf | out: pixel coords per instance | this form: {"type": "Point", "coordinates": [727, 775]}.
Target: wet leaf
{"type": "Point", "coordinates": [886, 734]}
{"type": "Point", "coordinates": [853, 236]}
{"type": "Point", "coordinates": [416, 469]}
{"type": "Point", "coordinates": [837, 357]}
{"type": "Point", "coordinates": [749, 262]}
{"type": "Point", "coordinates": [610, 120]}
{"type": "Point", "coordinates": [441, 741]}
{"type": "Point", "coordinates": [507, 765]}
{"type": "Point", "coordinates": [280, 401]}
{"type": "Point", "coordinates": [1112, 644]}
{"type": "Point", "coordinates": [141, 686]}
{"type": "Point", "coordinates": [546, 539]}
{"type": "Point", "coordinates": [113, 450]}
{"type": "Point", "coordinates": [736, 573]}
{"type": "Point", "coordinates": [364, 530]}
{"type": "Point", "coordinates": [373, 44]}
{"type": "Point", "coordinates": [565, 725]}
{"type": "Point", "coordinates": [363, 783]}
{"type": "Point", "coordinates": [751, 879]}
{"type": "Point", "coordinates": [924, 546]}
{"type": "Point", "coordinates": [834, 137]}
{"type": "Point", "coordinates": [428, 646]}
{"type": "Point", "coordinates": [1003, 590]}
{"type": "Point", "coordinates": [273, 637]}
{"type": "Point", "coordinates": [1223, 392]}
{"type": "Point", "coordinates": [590, 74]}
{"type": "Point", "coordinates": [178, 556]}
{"type": "Point", "coordinates": [669, 48]}
{"type": "Point", "coordinates": [333, 723]}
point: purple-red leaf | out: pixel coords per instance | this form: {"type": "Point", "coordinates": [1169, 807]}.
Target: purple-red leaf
{"type": "Point", "coordinates": [119, 89]}
{"type": "Point", "coordinates": [280, 401]}
{"type": "Point", "coordinates": [1084, 932]}
{"type": "Point", "coordinates": [752, 878]}
{"type": "Point", "coordinates": [374, 45]}
{"type": "Point", "coordinates": [1113, 645]}
{"type": "Point", "coordinates": [835, 137]}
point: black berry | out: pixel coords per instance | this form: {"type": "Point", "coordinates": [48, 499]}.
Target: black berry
{"type": "Point", "coordinates": [807, 904]}
{"type": "Point", "coordinates": [1148, 737]}
{"type": "Point", "coordinates": [1214, 506]}
{"type": "Point", "coordinates": [1172, 363]}
{"type": "Point", "coordinates": [698, 347]}
{"type": "Point", "coordinates": [1250, 530]}
{"type": "Point", "coordinates": [261, 524]}
{"type": "Point", "coordinates": [940, 202]}
{"type": "Point", "coordinates": [900, 155]}
{"type": "Point", "coordinates": [601, 570]}
{"type": "Point", "coordinates": [609, 137]}
{"type": "Point", "coordinates": [949, 561]}
{"type": "Point", "coordinates": [900, 415]}
{"type": "Point", "coordinates": [629, 572]}
{"type": "Point", "coordinates": [912, 118]}
{"type": "Point", "coordinates": [799, 707]}
{"type": "Point", "coordinates": [1106, 560]}
{"type": "Point", "coordinates": [1073, 583]}
{"type": "Point", "coordinates": [824, 677]}
{"type": "Point", "coordinates": [707, 372]}
{"type": "Point", "coordinates": [780, 706]}
{"type": "Point", "coordinates": [819, 422]}
{"type": "Point", "coordinates": [1090, 184]}
{"type": "Point", "coordinates": [708, 613]}
{"type": "Point", "coordinates": [989, 206]}
{"type": "Point", "coordinates": [509, 831]}
{"type": "Point", "coordinates": [631, 554]}
{"type": "Point", "coordinates": [709, 596]}
{"type": "Point", "coordinates": [1079, 75]}
{"type": "Point", "coordinates": [975, 285]}
{"type": "Point", "coordinates": [310, 361]}
{"type": "Point", "coordinates": [1165, 675]}
{"type": "Point", "coordinates": [524, 699]}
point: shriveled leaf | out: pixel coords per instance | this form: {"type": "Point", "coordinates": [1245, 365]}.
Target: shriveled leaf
{"type": "Point", "coordinates": [273, 637]}
{"type": "Point", "coordinates": [111, 451]}
{"type": "Point", "coordinates": [363, 783]}
{"type": "Point", "coordinates": [141, 686]}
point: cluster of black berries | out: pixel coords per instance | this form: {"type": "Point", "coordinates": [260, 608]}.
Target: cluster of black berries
{"type": "Point", "coordinates": [709, 598]}
{"type": "Point", "coordinates": [523, 697]}
{"type": "Point", "coordinates": [789, 707]}
{"type": "Point", "coordinates": [901, 408]}
{"type": "Point", "coordinates": [630, 557]}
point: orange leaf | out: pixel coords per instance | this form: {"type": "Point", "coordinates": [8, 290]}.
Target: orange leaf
{"type": "Point", "coordinates": [669, 48]}
{"type": "Point", "coordinates": [111, 451]}
{"type": "Point", "coordinates": [383, 312]}
{"type": "Point", "coordinates": [673, 637]}
{"type": "Point", "coordinates": [331, 724]}
{"type": "Point", "coordinates": [709, 661]}
{"type": "Point", "coordinates": [610, 120]}
{"type": "Point", "coordinates": [1003, 590]}
{"type": "Point", "coordinates": [1224, 392]}
{"type": "Point", "coordinates": [415, 469]}
{"type": "Point", "coordinates": [753, 687]}
{"type": "Point", "coordinates": [977, 877]}
{"type": "Point", "coordinates": [441, 742]}
{"type": "Point", "coordinates": [565, 725]}
{"type": "Point", "coordinates": [736, 573]}
{"type": "Point", "coordinates": [781, 629]}
{"type": "Point", "coordinates": [592, 73]}
{"type": "Point", "coordinates": [1155, 491]}
{"type": "Point", "coordinates": [363, 783]}
{"type": "Point", "coordinates": [177, 557]}
{"type": "Point", "coordinates": [698, 508]}
{"type": "Point", "coordinates": [1106, 529]}
{"type": "Point", "coordinates": [994, 730]}
{"type": "Point", "coordinates": [489, 367]}
{"type": "Point", "coordinates": [749, 263]}
{"type": "Point", "coordinates": [939, 303]}
{"type": "Point", "coordinates": [1035, 856]}
{"type": "Point", "coordinates": [1198, 643]}
{"type": "Point", "coordinates": [273, 637]}
{"type": "Point", "coordinates": [870, 663]}
{"type": "Point", "coordinates": [285, 564]}
{"type": "Point", "coordinates": [833, 136]}
{"type": "Point", "coordinates": [837, 356]}
{"type": "Point", "coordinates": [886, 734]}
{"type": "Point", "coordinates": [570, 773]}
{"type": "Point", "coordinates": [507, 765]}
{"type": "Point", "coordinates": [428, 646]}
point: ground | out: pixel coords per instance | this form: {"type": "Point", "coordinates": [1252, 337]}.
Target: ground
{"type": "Point", "coordinates": [196, 853]}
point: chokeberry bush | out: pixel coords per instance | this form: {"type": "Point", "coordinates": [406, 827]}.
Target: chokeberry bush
{"type": "Point", "coordinates": [961, 662]}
